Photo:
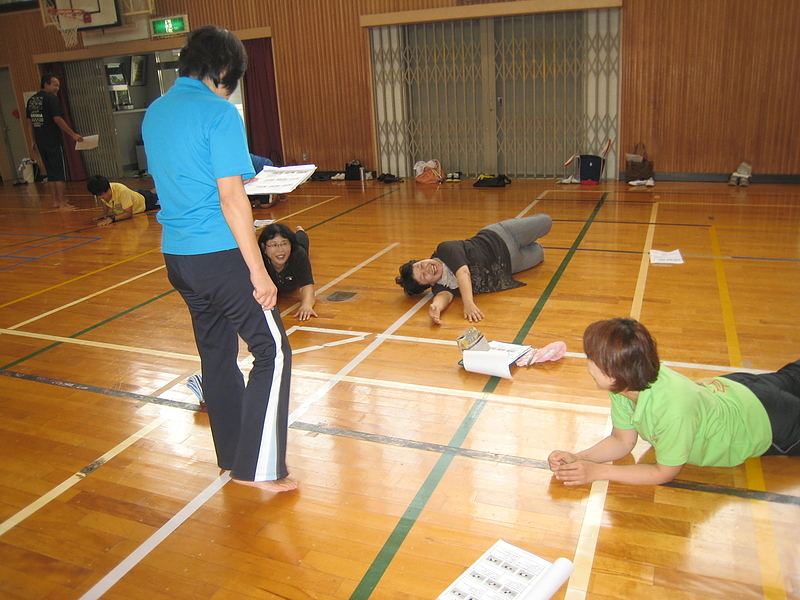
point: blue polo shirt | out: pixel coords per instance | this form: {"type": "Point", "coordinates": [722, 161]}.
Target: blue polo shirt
{"type": "Point", "coordinates": [193, 137]}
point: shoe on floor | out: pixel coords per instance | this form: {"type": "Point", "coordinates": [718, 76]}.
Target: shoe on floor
{"type": "Point", "coordinates": [734, 180]}
{"type": "Point", "coordinates": [570, 179]}
{"type": "Point", "coordinates": [638, 182]}
{"type": "Point", "coordinates": [744, 181]}
{"type": "Point", "coordinates": [650, 182]}
{"type": "Point", "coordinates": [195, 383]}
{"type": "Point", "coordinates": [553, 351]}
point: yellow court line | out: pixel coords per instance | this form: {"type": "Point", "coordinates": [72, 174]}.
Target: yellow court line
{"type": "Point", "coordinates": [58, 285]}
{"type": "Point", "coordinates": [731, 336]}
{"type": "Point", "coordinates": [644, 266]}
{"type": "Point", "coordinates": [772, 581]}
{"type": "Point", "coordinates": [79, 300]}
{"type": "Point", "coordinates": [766, 545]}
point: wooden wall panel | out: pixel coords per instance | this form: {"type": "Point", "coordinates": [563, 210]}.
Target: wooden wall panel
{"type": "Point", "coordinates": [704, 84]}
{"type": "Point", "coordinates": [709, 84]}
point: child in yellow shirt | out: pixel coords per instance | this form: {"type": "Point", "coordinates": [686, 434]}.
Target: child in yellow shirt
{"type": "Point", "coordinates": [119, 201]}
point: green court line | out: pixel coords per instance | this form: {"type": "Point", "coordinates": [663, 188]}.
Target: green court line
{"type": "Point", "coordinates": [349, 210]}
{"type": "Point", "coordinates": [384, 557]}
{"type": "Point", "coordinates": [80, 333]}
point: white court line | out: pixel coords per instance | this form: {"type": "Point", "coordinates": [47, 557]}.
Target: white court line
{"type": "Point", "coordinates": [79, 300]}
{"type": "Point", "coordinates": [95, 344]}
{"type": "Point", "coordinates": [298, 412]}
{"type": "Point", "coordinates": [460, 393]}
{"type": "Point", "coordinates": [65, 485]}
{"type": "Point", "coordinates": [343, 276]}
{"type": "Point", "coordinates": [130, 561]}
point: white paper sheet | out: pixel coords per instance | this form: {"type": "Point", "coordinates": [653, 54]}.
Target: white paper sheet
{"type": "Point", "coordinates": [89, 142]}
{"type": "Point", "coordinates": [506, 572]}
{"type": "Point", "coordinates": [496, 361]}
{"type": "Point", "coordinates": [660, 257]}
{"type": "Point", "coordinates": [279, 180]}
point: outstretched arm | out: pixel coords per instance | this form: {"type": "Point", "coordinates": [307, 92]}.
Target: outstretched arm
{"type": "Point", "coordinates": [440, 302]}
{"type": "Point", "coordinates": [586, 466]}
{"type": "Point", "coordinates": [307, 300]}
{"type": "Point", "coordinates": [472, 313]}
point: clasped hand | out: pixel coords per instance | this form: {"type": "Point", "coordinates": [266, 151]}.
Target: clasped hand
{"type": "Point", "coordinates": [570, 470]}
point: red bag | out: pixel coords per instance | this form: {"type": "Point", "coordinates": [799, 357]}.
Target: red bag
{"type": "Point", "coordinates": [431, 175]}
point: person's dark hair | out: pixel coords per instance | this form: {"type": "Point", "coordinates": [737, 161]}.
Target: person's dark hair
{"type": "Point", "coordinates": [214, 53]}
{"type": "Point", "coordinates": [275, 229]}
{"type": "Point", "coordinates": [625, 350]}
{"type": "Point", "coordinates": [406, 280]}
{"type": "Point", "coordinates": [97, 184]}
{"type": "Point", "coordinates": [46, 79]}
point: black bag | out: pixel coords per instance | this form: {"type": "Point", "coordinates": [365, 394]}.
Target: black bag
{"type": "Point", "coordinates": [636, 170]}
{"type": "Point", "coordinates": [352, 171]}
{"type": "Point", "coordinates": [591, 167]}
{"type": "Point", "coordinates": [492, 181]}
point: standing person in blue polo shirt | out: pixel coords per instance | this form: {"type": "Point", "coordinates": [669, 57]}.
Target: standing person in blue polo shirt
{"type": "Point", "coordinates": [198, 156]}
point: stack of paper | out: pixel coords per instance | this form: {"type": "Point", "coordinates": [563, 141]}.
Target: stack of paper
{"type": "Point", "coordinates": [506, 572]}
{"type": "Point", "coordinates": [279, 180]}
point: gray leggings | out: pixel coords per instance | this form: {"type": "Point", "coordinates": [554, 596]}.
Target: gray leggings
{"type": "Point", "coordinates": [520, 236]}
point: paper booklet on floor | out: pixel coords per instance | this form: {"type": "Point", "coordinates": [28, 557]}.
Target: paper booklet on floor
{"type": "Point", "coordinates": [661, 257]}
{"type": "Point", "coordinates": [488, 358]}
{"type": "Point", "coordinates": [506, 572]}
{"type": "Point", "coordinates": [279, 180]}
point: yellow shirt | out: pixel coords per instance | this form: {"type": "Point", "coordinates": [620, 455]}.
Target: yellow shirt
{"type": "Point", "coordinates": [122, 198]}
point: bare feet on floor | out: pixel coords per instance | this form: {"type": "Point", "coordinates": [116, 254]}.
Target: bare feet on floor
{"type": "Point", "coordinates": [279, 485]}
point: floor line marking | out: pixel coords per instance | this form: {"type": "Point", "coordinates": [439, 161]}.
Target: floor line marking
{"type": "Point", "coordinates": [77, 477]}
{"type": "Point", "coordinates": [732, 337]}
{"type": "Point", "coordinates": [301, 410]}
{"type": "Point", "coordinates": [95, 344]}
{"type": "Point", "coordinates": [133, 559]}
{"type": "Point", "coordinates": [74, 279]}
{"type": "Point", "coordinates": [644, 265]}
{"type": "Point", "coordinates": [299, 212]}
{"type": "Point", "coordinates": [89, 297]}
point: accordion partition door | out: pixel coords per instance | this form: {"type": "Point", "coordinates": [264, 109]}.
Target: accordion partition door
{"type": "Point", "coordinates": [514, 94]}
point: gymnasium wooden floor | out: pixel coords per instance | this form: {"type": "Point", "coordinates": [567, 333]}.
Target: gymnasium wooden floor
{"type": "Point", "coordinates": [409, 467]}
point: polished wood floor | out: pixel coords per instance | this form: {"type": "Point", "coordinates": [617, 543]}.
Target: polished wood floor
{"type": "Point", "coordinates": [409, 467]}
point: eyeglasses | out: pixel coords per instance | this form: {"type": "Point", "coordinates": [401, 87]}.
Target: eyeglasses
{"type": "Point", "coordinates": [279, 245]}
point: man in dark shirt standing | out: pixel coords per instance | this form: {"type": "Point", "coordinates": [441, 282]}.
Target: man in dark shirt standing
{"type": "Point", "coordinates": [45, 124]}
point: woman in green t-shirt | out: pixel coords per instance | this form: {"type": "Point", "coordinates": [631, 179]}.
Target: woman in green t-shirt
{"type": "Point", "coordinates": [720, 421]}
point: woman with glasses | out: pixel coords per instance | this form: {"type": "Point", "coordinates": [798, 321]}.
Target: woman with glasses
{"type": "Point", "coordinates": [287, 262]}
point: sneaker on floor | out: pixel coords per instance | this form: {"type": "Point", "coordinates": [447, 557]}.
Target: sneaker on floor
{"type": "Point", "coordinates": [638, 182]}
{"type": "Point", "coordinates": [734, 180]}
{"type": "Point", "coordinates": [195, 383]}
{"type": "Point", "coordinates": [650, 182]}
{"type": "Point", "coordinates": [744, 181]}
{"type": "Point", "coordinates": [570, 179]}
{"type": "Point", "coordinates": [553, 351]}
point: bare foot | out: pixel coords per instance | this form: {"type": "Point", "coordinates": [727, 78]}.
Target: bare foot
{"type": "Point", "coordinates": [279, 485]}
{"type": "Point", "coordinates": [298, 228]}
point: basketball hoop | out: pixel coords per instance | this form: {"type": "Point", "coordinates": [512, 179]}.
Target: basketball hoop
{"type": "Point", "coordinates": [68, 21]}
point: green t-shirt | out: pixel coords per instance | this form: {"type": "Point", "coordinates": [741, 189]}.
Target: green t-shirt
{"type": "Point", "coordinates": [714, 422]}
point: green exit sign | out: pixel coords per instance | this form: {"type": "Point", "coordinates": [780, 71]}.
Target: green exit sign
{"type": "Point", "coordinates": [169, 26]}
